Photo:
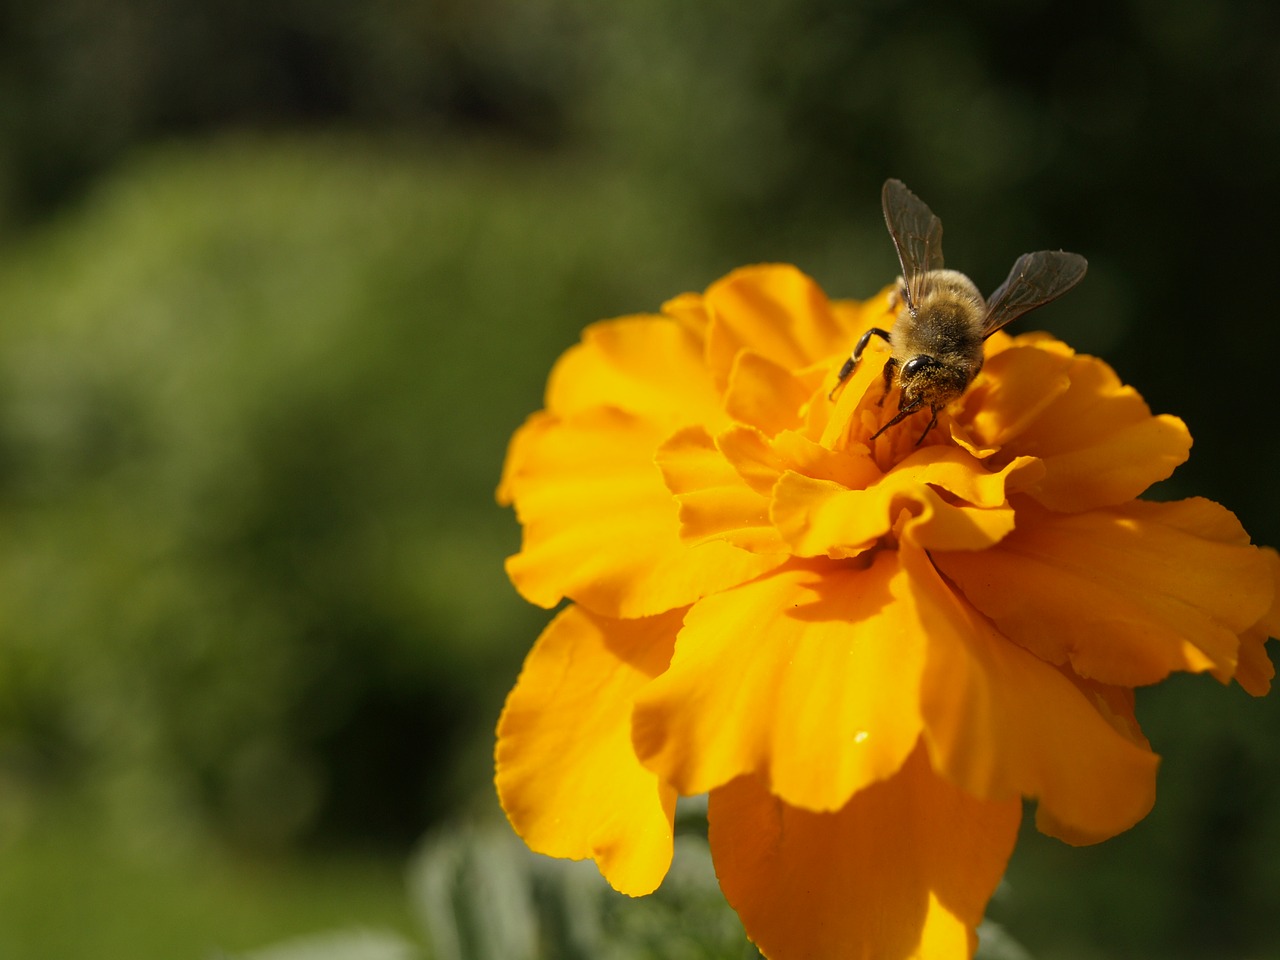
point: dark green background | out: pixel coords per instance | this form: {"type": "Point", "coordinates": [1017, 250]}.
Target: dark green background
{"type": "Point", "coordinates": [278, 281]}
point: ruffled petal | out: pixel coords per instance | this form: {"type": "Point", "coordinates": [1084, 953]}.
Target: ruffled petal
{"type": "Point", "coordinates": [1255, 671]}
{"type": "Point", "coordinates": [690, 311]}
{"type": "Point", "coordinates": [752, 456]}
{"type": "Point", "coordinates": [762, 460]}
{"type": "Point", "coordinates": [1014, 388]}
{"type": "Point", "coordinates": [809, 677]}
{"type": "Point", "coordinates": [716, 503]}
{"type": "Point", "coordinates": [823, 518]}
{"type": "Point", "coordinates": [765, 394]}
{"type": "Point", "coordinates": [1116, 706]}
{"type": "Point", "coordinates": [566, 774]}
{"type": "Point", "coordinates": [724, 485]}
{"type": "Point", "coordinates": [1000, 722]}
{"type": "Point", "coordinates": [646, 365]}
{"type": "Point", "coordinates": [773, 310]}
{"type": "Point", "coordinates": [1125, 595]}
{"type": "Point", "coordinates": [1270, 622]}
{"type": "Point", "coordinates": [905, 869]}
{"type": "Point", "coordinates": [600, 526]}
{"type": "Point", "coordinates": [849, 422]}
{"type": "Point", "coordinates": [1098, 440]}
{"type": "Point", "coordinates": [855, 316]}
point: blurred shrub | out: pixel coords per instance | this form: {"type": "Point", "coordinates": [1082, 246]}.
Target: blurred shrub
{"type": "Point", "coordinates": [85, 80]}
{"type": "Point", "coordinates": [253, 404]}
{"type": "Point", "coordinates": [479, 894]}
{"type": "Point", "coordinates": [1100, 131]}
{"type": "Point", "coordinates": [253, 397]}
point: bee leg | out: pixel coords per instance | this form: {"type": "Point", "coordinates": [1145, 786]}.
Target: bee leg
{"type": "Point", "coordinates": [854, 357]}
{"type": "Point", "coordinates": [890, 368]}
{"type": "Point", "coordinates": [865, 339]}
{"type": "Point", "coordinates": [905, 411]}
{"type": "Point", "coordinates": [932, 423]}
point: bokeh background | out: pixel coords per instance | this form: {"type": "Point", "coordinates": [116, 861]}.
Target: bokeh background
{"type": "Point", "coordinates": [277, 281]}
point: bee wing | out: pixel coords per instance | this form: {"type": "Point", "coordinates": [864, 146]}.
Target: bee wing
{"type": "Point", "coordinates": [916, 233]}
{"type": "Point", "coordinates": [1036, 278]}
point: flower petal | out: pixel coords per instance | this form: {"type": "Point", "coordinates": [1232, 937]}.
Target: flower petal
{"type": "Point", "coordinates": [1000, 722]}
{"type": "Point", "coordinates": [1012, 390]}
{"type": "Point", "coordinates": [600, 526]}
{"type": "Point", "coordinates": [1125, 595]}
{"type": "Point", "coordinates": [853, 467]}
{"type": "Point", "coordinates": [1255, 671]}
{"type": "Point", "coordinates": [1270, 622]}
{"type": "Point", "coordinates": [855, 316]}
{"type": "Point", "coordinates": [752, 456]}
{"type": "Point", "coordinates": [646, 365]}
{"type": "Point", "coordinates": [905, 869]}
{"type": "Point", "coordinates": [821, 517]}
{"type": "Point", "coordinates": [775, 311]}
{"type": "Point", "coordinates": [724, 486]}
{"type": "Point", "coordinates": [1116, 706]}
{"type": "Point", "coordinates": [1098, 440]}
{"type": "Point", "coordinates": [849, 422]}
{"type": "Point", "coordinates": [809, 677]}
{"type": "Point", "coordinates": [765, 394]}
{"type": "Point", "coordinates": [716, 503]}
{"type": "Point", "coordinates": [566, 774]}
{"type": "Point", "coordinates": [761, 461]}
{"type": "Point", "coordinates": [690, 311]}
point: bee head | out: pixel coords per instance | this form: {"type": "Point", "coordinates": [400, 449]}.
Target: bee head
{"type": "Point", "coordinates": [926, 379]}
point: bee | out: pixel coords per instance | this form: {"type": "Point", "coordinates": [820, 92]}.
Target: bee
{"type": "Point", "coordinates": [942, 321]}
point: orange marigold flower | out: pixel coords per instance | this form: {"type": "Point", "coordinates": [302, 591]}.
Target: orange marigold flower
{"type": "Point", "coordinates": [867, 652]}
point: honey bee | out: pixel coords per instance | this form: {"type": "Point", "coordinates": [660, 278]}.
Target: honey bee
{"type": "Point", "coordinates": [936, 341]}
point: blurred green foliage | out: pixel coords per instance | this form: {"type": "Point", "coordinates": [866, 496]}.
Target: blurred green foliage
{"type": "Point", "coordinates": [280, 280]}
{"type": "Point", "coordinates": [254, 403]}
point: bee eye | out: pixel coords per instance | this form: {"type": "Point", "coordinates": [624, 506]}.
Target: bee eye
{"type": "Point", "coordinates": [916, 364]}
